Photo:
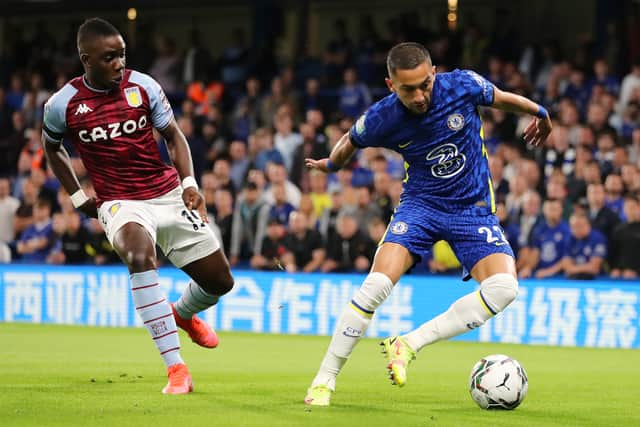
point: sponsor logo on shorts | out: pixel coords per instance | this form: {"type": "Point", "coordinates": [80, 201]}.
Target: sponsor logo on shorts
{"type": "Point", "coordinates": [399, 227]}
{"type": "Point", "coordinates": [455, 122]}
{"type": "Point", "coordinates": [113, 209]}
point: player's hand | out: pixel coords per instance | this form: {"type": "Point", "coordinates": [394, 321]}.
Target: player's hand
{"type": "Point", "coordinates": [89, 208]}
{"type": "Point", "coordinates": [537, 131]}
{"type": "Point", "coordinates": [320, 164]}
{"type": "Point", "coordinates": [194, 200]}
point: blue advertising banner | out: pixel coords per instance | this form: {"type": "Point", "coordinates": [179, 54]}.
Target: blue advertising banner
{"type": "Point", "coordinates": [597, 313]}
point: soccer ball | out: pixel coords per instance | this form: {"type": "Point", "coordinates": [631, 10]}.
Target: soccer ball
{"type": "Point", "coordinates": [498, 382]}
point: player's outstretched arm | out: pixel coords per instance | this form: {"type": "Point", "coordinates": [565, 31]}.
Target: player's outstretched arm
{"type": "Point", "coordinates": [540, 127]}
{"type": "Point", "coordinates": [340, 155]}
{"type": "Point", "coordinates": [181, 158]}
{"type": "Point", "coordinates": [58, 159]}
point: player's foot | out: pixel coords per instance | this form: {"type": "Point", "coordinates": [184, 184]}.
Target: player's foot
{"type": "Point", "coordinates": [179, 380]}
{"type": "Point", "coordinates": [319, 395]}
{"type": "Point", "coordinates": [399, 356]}
{"type": "Point", "coordinates": [198, 330]}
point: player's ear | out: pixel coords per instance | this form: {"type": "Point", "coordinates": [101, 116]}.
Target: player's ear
{"type": "Point", "coordinates": [433, 69]}
{"type": "Point", "coordinates": [389, 83]}
{"type": "Point", "coordinates": [84, 58]}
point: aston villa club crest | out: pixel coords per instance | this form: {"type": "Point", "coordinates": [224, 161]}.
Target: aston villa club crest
{"type": "Point", "coordinates": [133, 96]}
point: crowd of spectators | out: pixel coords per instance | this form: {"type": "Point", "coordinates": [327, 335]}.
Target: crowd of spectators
{"type": "Point", "coordinates": [570, 207]}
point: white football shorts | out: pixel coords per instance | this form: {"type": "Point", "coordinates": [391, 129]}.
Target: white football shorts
{"type": "Point", "coordinates": [181, 235]}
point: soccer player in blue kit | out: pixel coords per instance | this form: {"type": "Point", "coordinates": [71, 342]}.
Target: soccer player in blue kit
{"type": "Point", "coordinates": [433, 121]}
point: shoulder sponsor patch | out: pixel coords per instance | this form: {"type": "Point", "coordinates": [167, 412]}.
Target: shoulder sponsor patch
{"type": "Point", "coordinates": [360, 128]}
{"type": "Point", "coordinates": [133, 96]}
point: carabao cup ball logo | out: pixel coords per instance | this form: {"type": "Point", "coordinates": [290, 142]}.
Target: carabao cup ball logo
{"type": "Point", "coordinates": [455, 122]}
{"type": "Point", "coordinates": [399, 227]}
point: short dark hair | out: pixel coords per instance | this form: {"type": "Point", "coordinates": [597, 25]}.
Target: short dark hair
{"type": "Point", "coordinates": [406, 56]}
{"type": "Point", "coordinates": [95, 27]}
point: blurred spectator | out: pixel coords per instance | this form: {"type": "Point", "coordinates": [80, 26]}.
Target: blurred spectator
{"type": "Point", "coordinates": [586, 252]}
{"type": "Point", "coordinates": [11, 145]}
{"type": "Point", "coordinates": [222, 172]}
{"type": "Point", "coordinates": [224, 216]}
{"type": "Point", "coordinates": [350, 248]}
{"type": "Point", "coordinates": [250, 218]}
{"type": "Point", "coordinates": [337, 53]}
{"type": "Point", "coordinates": [305, 251]}
{"type": "Point", "coordinates": [530, 219]}
{"type": "Point", "coordinates": [604, 153]}
{"type": "Point", "coordinates": [197, 64]}
{"type": "Point", "coordinates": [559, 155]}
{"type": "Point", "coordinates": [318, 191]}
{"type": "Point", "coordinates": [313, 146]}
{"type": "Point", "coordinates": [630, 83]}
{"type": "Point", "coordinates": [72, 242]}
{"type": "Point", "coordinates": [602, 77]}
{"type": "Point", "coordinates": [24, 214]}
{"type": "Point", "coordinates": [329, 217]}
{"type": "Point", "coordinates": [601, 216]}
{"type": "Point", "coordinates": [239, 164]}
{"type": "Point", "coordinates": [625, 241]}
{"type": "Point", "coordinates": [234, 61]}
{"type": "Point", "coordinates": [306, 208]}
{"type": "Point", "coordinates": [8, 207]}
{"type": "Point", "coordinates": [37, 239]}
{"type": "Point", "coordinates": [196, 145]}
{"type": "Point", "coordinates": [165, 68]}
{"type": "Point", "coordinates": [380, 195]}
{"type": "Point", "coordinates": [500, 185]}
{"type": "Point", "coordinates": [271, 103]}
{"type": "Point", "coordinates": [272, 248]}
{"type": "Point", "coordinates": [549, 243]}
{"type": "Point", "coordinates": [267, 153]}
{"type": "Point", "coordinates": [354, 97]}
{"type": "Point", "coordinates": [614, 187]}
{"type": "Point", "coordinates": [286, 141]}
{"type": "Point", "coordinates": [5, 119]}
{"type": "Point", "coordinates": [312, 98]}
{"type": "Point", "coordinates": [365, 211]}
{"type": "Point", "coordinates": [281, 208]}
{"type": "Point", "coordinates": [277, 174]}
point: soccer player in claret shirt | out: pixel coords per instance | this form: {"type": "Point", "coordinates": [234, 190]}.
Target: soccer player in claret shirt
{"type": "Point", "coordinates": [108, 115]}
{"type": "Point", "coordinates": [432, 120]}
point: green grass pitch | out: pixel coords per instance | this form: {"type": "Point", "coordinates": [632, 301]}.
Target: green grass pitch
{"type": "Point", "coordinates": [79, 376]}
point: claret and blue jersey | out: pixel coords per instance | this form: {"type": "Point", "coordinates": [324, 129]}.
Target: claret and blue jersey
{"type": "Point", "coordinates": [447, 193]}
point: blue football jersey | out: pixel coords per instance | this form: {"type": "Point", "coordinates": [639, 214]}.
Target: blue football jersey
{"type": "Point", "coordinates": [553, 242]}
{"type": "Point", "coordinates": [582, 250]}
{"type": "Point", "coordinates": [445, 159]}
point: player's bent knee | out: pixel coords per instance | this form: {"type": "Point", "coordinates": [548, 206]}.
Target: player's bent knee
{"type": "Point", "coordinates": [374, 290]}
{"type": "Point", "coordinates": [220, 286]}
{"type": "Point", "coordinates": [499, 290]}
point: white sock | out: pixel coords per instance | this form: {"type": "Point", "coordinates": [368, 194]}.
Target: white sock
{"type": "Point", "coordinates": [352, 326]}
{"type": "Point", "coordinates": [154, 310]}
{"type": "Point", "coordinates": [469, 312]}
{"type": "Point", "coordinates": [193, 300]}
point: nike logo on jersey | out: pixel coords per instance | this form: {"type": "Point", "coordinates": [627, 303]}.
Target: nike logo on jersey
{"type": "Point", "coordinates": [83, 109]}
{"type": "Point", "coordinates": [405, 145]}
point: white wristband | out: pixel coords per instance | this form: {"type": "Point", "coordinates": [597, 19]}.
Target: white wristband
{"type": "Point", "coordinates": [79, 198]}
{"type": "Point", "coordinates": [189, 181]}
